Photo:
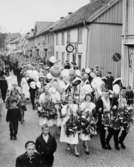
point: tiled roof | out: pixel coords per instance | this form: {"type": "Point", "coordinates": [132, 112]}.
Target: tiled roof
{"type": "Point", "coordinates": [83, 14]}
{"type": "Point", "coordinates": [41, 25]}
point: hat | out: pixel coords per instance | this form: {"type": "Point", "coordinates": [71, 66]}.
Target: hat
{"type": "Point", "coordinates": [96, 66]}
{"type": "Point", "coordinates": [87, 70]}
{"type": "Point", "coordinates": [117, 81]}
{"type": "Point", "coordinates": [49, 76]}
{"type": "Point", "coordinates": [52, 59]}
{"type": "Point", "coordinates": [76, 81]}
{"type": "Point", "coordinates": [33, 85]}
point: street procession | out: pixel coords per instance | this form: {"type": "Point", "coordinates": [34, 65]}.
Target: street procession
{"type": "Point", "coordinates": [77, 104]}
{"type": "Point", "coordinates": [67, 86]}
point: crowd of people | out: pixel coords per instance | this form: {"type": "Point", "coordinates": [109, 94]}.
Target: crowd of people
{"type": "Point", "coordinates": [79, 103]}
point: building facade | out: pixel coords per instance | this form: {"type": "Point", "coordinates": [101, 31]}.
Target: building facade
{"type": "Point", "coordinates": [41, 43]}
{"type": "Point", "coordinates": [76, 37]}
{"type": "Point", "coordinates": [95, 32]}
{"type": "Point", "coordinates": [127, 63]}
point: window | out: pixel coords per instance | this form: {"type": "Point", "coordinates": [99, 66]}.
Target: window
{"type": "Point", "coordinates": [63, 57]}
{"type": "Point", "coordinates": [57, 55]}
{"type": "Point", "coordinates": [48, 38]}
{"type": "Point", "coordinates": [68, 36]}
{"type": "Point", "coordinates": [68, 57]}
{"type": "Point", "coordinates": [79, 61]}
{"type": "Point", "coordinates": [57, 39]}
{"type": "Point", "coordinates": [74, 58]}
{"type": "Point", "coordinates": [79, 35]}
{"type": "Point", "coordinates": [62, 38]}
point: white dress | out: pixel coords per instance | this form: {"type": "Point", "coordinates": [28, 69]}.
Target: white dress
{"type": "Point", "coordinates": [85, 89]}
{"type": "Point", "coordinates": [11, 81]}
{"type": "Point", "coordinates": [25, 88]}
{"type": "Point", "coordinates": [72, 139]}
{"type": "Point", "coordinates": [86, 107]}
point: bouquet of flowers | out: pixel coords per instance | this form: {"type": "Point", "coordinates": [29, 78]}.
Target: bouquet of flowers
{"type": "Point", "coordinates": [71, 125]}
{"type": "Point", "coordinates": [115, 119]}
{"type": "Point", "coordinates": [106, 118]}
{"type": "Point", "coordinates": [48, 110]}
{"type": "Point", "coordinates": [87, 124]}
{"type": "Point", "coordinates": [127, 117]}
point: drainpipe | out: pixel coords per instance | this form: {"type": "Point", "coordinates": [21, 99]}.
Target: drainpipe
{"type": "Point", "coordinates": [125, 9]}
{"type": "Point", "coordinates": [87, 43]}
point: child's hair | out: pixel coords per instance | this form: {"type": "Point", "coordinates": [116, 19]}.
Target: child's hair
{"type": "Point", "coordinates": [29, 142]}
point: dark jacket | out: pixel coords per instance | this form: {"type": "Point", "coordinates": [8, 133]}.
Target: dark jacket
{"type": "Point", "coordinates": [13, 115]}
{"type": "Point", "coordinates": [130, 97]}
{"type": "Point", "coordinates": [24, 161]}
{"type": "Point", "coordinates": [3, 83]}
{"type": "Point", "coordinates": [46, 150]}
{"type": "Point", "coordinates": [109, 83]}
{"type": "Point", "coordinates": [99, 105]}
{"type": "Point", "coordinates": [114, 101]}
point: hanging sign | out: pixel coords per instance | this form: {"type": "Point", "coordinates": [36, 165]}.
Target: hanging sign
{"type": "Point", "coordinates": [116, 57]}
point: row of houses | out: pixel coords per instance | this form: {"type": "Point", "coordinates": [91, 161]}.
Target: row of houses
{"type": "Point", "coordinates": [94, 32]}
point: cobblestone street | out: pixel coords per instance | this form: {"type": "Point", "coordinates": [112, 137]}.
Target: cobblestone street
{"type": "Point", "coordinates": [30, 130]}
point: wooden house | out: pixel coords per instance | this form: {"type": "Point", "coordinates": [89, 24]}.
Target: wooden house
{"type": "Point", "coordinates": [95, 32]}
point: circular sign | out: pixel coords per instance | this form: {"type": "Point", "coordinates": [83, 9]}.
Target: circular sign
{"type": "Point", "coordinates": [69, 48]}
{"type": "Point", "coordinates": [116, 57]}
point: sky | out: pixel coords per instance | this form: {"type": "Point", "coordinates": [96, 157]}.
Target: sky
{"type": "Point", "coordinates": [21, 15]}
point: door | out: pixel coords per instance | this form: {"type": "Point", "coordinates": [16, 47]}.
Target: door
{"type": "Point", "coordinates": [131, 65]}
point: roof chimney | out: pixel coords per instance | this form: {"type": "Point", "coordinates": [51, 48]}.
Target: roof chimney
{"type": "Point", "coordinates": [69, 13]}
{"type": "Point", "coordinates": [61, 18]}
{"type": "Point", "coordinates": [90, 1]}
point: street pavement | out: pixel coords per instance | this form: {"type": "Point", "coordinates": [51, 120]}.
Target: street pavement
{"type": "Point", "coordinates": [9, 150]}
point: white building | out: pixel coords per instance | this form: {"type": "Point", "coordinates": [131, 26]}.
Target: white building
{"type": "Point", "coordinates": [95, 32]}
{"type": "Point", "coordinates": [78, 38]}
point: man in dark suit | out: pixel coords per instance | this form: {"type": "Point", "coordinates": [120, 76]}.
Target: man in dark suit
{"type": "Point", "coordinates": [46, 145]}
{"type": "Point", "coordinates": [30, 158]}
{"type": "Point", "coordinates": [109, 81]}
{"type": "Point", "coordinates": [100, 127]}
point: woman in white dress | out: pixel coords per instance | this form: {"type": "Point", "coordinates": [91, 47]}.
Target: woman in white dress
{"type": "Point", "coordinates": [11, 80]}
{"type": "Point", "coordinates": [86, 108]}
{"type": "Point", "coordinates": [69, 111]}
{"type": "Point", "coordinates": [25, 88]}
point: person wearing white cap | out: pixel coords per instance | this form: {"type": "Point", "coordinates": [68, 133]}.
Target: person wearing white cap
{"type": "Point", "coordinates": [87, 70]}
{"type": "Point", "coordinates": [85, 87]}
{"type": "Point", "coordinates": [46, 145]}
{"type": "Point", "coordinates": [51, 61]}
{"type": "Point", "coordinates": [32, 90]}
